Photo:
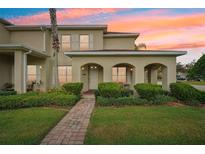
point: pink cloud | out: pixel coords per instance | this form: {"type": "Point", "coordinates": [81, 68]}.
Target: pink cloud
{"type": "Point", "coordinates": [65, 14]}
{"type": "Point", "coordinates": [161, 31]}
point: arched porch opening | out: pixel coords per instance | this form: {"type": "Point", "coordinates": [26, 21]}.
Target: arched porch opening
{"type": "Point", "coordinates": [124, 73]}
{"type": "Point", "coordinates": [156, 73]}
{"type": "Point", "coordinates": [91, 75]}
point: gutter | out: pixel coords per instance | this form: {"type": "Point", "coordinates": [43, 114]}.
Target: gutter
{"type": "Point", "coordinates": [29, 52]}
{"type": "Point", "coordinates": [120, 53]}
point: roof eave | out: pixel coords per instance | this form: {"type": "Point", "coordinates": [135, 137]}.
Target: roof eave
{"type": "Point", "coordinates": [126, 53]}
{"type": "Point", "coordinates": [16, 47]}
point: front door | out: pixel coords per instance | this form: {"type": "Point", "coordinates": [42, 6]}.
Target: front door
{"type": "Point", "coordinates": [93, 78]}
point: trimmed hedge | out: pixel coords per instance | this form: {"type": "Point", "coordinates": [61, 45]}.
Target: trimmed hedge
{"type": "Point", "coordinates": [162, 99]}
{"type": "Point", "coordinates": [7, 93]}
{"type": "Point", "coordinates": [73, 88]}
{"type": "Point", "coordinates": [202, 97]}
{"type": "Point", "coordinates": [127, 92]}
{"type": "Point", "coordinates": [103, 101]}
{"type": "Point", "coordinates": [109, 89]}
{"type": "Point", "coordinates": [185, 92]}
{"type": "Point", "coordinates": [148, 91]}
{"type": "Point", "coordinates": [37, 99]}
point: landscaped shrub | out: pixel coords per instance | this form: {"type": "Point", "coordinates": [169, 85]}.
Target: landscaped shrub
{"type": "Point", "coordinates": [186, 93]}
{"type": "Point", "coordinates": [37, 99]}
{"type": "Point", "coordinates": [6, 93]}
{"type": "Point", "coordinates": [148, 91]}
{"type": "Point", "coordinates": [103, 101]}
{"type": "Point", "coordinates": [126, 92]}
{"type": "Point", "coordinates": [73, 88]}
{"type": "Point", "coordinates": [162, 99]}
{"type": "Point", "coordinates": [109, 89]}
{"type": "Point", "coordinates": [57, 90]}
{"type": "Point", "coordinates": [202, 97]}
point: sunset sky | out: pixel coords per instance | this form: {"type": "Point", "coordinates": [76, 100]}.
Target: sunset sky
{"type": "Point", "coordinates": [164, 29]}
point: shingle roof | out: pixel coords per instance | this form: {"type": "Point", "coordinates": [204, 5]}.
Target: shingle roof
{"type": "Point", "coordinates": [5, 22]}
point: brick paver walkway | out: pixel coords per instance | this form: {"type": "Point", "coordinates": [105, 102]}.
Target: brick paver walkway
{"type": "Point", "coordinates": [72, 128]}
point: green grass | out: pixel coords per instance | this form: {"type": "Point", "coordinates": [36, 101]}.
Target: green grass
{"type": "Point", "coordinates": [200, 83]}
{"type": "Point", "coordinates": [28, 126]}
{"type": "Point", "coordinates": [147, 125]}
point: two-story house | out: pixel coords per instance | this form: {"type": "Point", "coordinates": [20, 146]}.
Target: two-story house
{"type": "Point", "coordinates": [88, 54]}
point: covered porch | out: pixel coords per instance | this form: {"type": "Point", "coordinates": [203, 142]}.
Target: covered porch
{"type": "Point", "coordinates": [14, 66]}
{"type": "Point", "coordinates": [126, 67]}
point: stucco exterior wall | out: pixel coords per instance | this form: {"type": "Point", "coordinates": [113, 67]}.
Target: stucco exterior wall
{"type": "Point", "coordinates": [96, 42]}
{"type": "Point", "coordinates": [4, 34]}
{"type": "Point", "coordinates": [119, 43]}
{"type": "Point", "coordinates": [6, 65]}
{"type": "Point", "coordinates": [33, 39]}
{"type": "Point", "coordinates": [139, 62]}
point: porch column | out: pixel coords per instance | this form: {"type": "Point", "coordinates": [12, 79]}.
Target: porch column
{"type": "Point", "coordinates": [139, 74]}
{"type": "Point", "coordinates": [165, 84]}
{"type": "Point", "coordinates": [76, 73]}
{"type": "Point", "coordinates": [171, 75]}
{"type": "Point", "coordinates": [43, 75]}
{"type": "Point", "coordinates": [20, 71]}
{"type": "Point", "coordinates": [107, 74]}
{"type": "Point", "coordinates": [153, 73]}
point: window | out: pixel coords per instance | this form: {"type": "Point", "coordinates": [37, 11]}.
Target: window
{"type": "Point", "coordinates": [64, 74]}
{"type": "Point", "coordinates": [84, 42]}
{"type": "Point", "coordinates": [119, 74]}
{"type": "Point", "coordinates": [32, 73]}
{"type": "Point", "coordinates": [66, 45]}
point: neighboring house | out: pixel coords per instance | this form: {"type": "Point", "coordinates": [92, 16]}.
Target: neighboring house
{"type": "Point", "coordinates": [88, 54]}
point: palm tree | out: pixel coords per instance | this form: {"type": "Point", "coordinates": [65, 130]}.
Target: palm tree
{"type": "Point", "coordinates": [55, 43]}
{"type": "Point", "coordinates": [140, 46]}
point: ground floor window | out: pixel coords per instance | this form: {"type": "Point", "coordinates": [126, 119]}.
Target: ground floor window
{"type": "Point", "coordinates": [32, 73]}
{"type": "Point", "coordinates": [119, 74]}
{"type": "Point", "coordinates": [64, 74]}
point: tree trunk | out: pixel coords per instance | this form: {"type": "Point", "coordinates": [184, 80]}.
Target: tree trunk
{"type": "Point", "coordinates": [55, 44]}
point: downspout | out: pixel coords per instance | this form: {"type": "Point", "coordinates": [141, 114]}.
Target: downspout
{"type": "Point", "coordinates": [44, 38]}
{"type": "Point", "coordinates": [25, 68]}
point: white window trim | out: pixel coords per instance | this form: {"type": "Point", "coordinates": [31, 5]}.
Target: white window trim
{"type": "Point", "coordinates": [62, 42]}
{"type": "Point", "coordinates": [120, 75]}
{"type": "Point", "coordinates": [88, 41]}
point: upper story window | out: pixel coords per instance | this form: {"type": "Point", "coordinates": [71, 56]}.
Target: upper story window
{"type": "Point", "coordinates": [84, 42]}
{"type": "Point", "coordinates": [66, 42]}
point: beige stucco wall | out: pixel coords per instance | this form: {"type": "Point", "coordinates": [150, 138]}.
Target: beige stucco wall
{"type": "Point", "coordinates": [6, 64]}
{"type": "Point", "coordinates": [33, 39]}
{"type": "Point", "coordinates": [139, 62]}
{"type": "Point", "coordinates": [119, 43]}
{"type": "Point", "coordinates": [96, 42]}
{"type": "Point", "coordinates": [4, 34]}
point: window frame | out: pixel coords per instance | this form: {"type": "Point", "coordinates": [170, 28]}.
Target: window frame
{"type": "Point", "coordinates": [68, 74]}
{"type": "Point", "coordinates": [88, 43]}
{"type": "Point", "coordinates": [118, 74]}
{"type": "Point", "coordinates": [34, 74]}
{"type": "Point", "coordinates": [62, 42]}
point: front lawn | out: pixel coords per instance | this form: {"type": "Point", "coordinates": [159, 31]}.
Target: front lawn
{"type": "Point", "coordinates": [147, 125]}
{"type": "Point", "coordinates": [28, 126]}
{"type": "Point", "coordinates": [200, 83]}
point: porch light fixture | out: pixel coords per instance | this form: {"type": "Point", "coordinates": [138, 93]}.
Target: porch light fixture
{"type": "Point", "coordinates": [40, 67]}
{"type": "Point", "coordinates": [95, 67]}
{"type": "Point", "coordinates": [82, 68]}
{"type": "Point", "coordinates": [91, 67]}
{"type": "Point", "coordinates": [131, 69]}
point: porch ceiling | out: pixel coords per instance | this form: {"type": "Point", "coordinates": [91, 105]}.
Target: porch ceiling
{"type": "Point", "coordinates": [124, 53]}
{"type": "Point", "coordinates": [6, 48]}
